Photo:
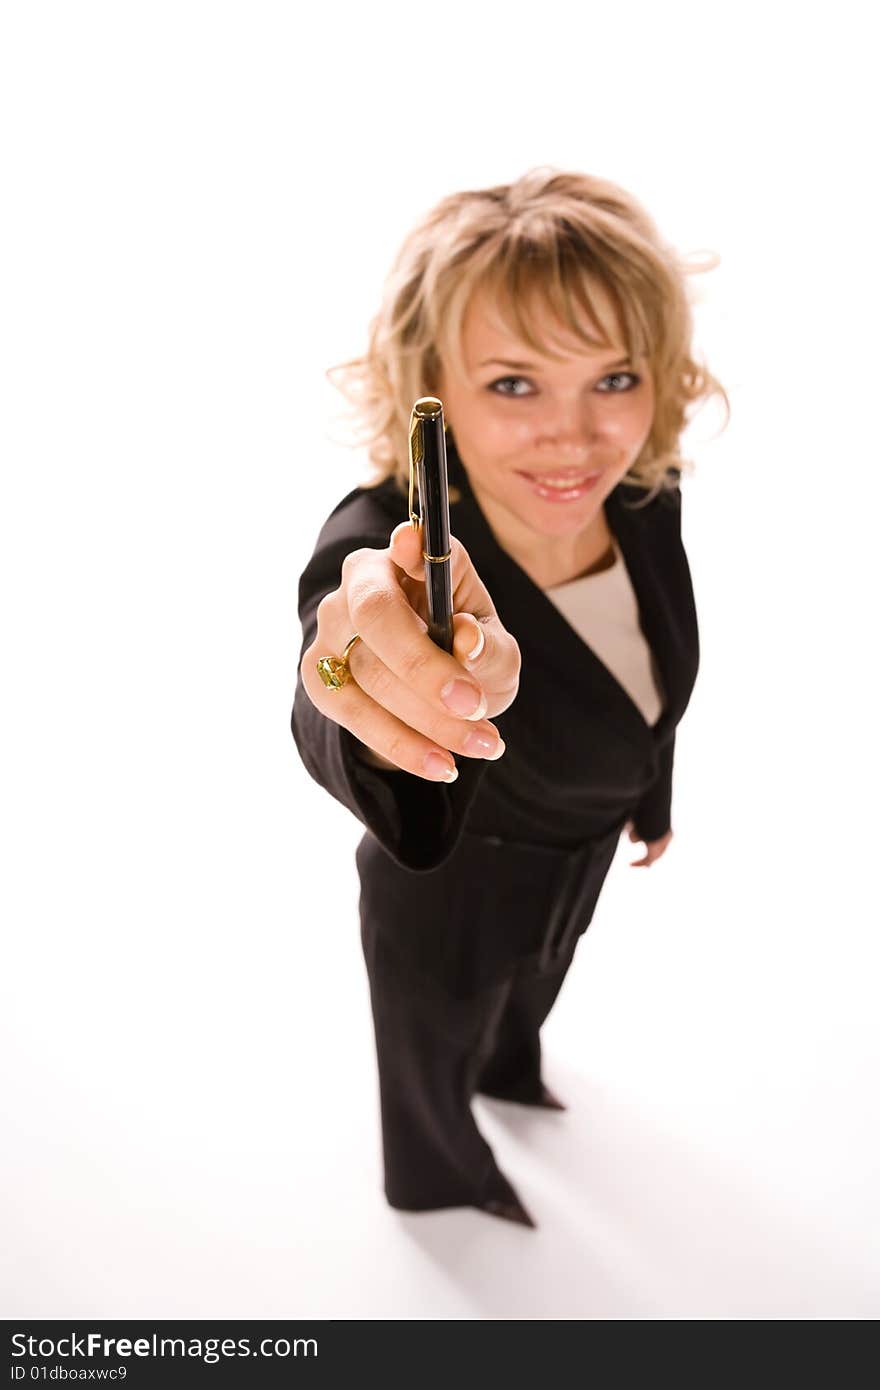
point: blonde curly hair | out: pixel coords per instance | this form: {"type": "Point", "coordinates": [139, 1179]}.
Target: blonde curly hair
{"type": "Point", "coordinates": [543, 240]}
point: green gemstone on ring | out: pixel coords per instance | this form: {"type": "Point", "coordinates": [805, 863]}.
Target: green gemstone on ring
{"type": "Point", "coordinates": [333, 672]}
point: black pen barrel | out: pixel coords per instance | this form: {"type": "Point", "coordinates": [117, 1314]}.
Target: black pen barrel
{"type": "Point", "coordinates": [434, 507]}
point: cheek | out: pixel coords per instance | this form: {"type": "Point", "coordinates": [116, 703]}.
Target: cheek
{"type": "Point", "coordinates": [631, 427]}
{"type": "Point", "coordinates": [510, 439]}
{"type": "Point", "coordinates": [644, 413]}
{"type": "Point", "coordinates": [497, 432]}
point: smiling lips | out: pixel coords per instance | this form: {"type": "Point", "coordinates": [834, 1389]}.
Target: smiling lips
{"type": "Point", "coordinates": [566, 485]}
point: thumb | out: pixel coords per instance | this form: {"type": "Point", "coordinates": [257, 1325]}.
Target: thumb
{"type": "Point", "coordinates": [405, 547]}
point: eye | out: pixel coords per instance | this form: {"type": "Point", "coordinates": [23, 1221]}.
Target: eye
{"type": "Point", "coordinates": [503, 381]}
{"type": "Point", "coordinates": [616, 376]}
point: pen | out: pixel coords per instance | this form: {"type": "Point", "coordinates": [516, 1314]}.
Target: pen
{"type": "Point", "coordinates": [427, 467]}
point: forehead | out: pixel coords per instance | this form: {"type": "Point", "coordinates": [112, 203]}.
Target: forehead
{"type": "Point", "coordinates": [490, 328]}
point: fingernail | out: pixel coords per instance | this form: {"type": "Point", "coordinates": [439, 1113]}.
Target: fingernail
{"type": "Point", "coordinates": [438, 768]}
{"type": "Point", "coordinates": [487, 746]}
{"type": "Point", "coordinates": [481, 642]}
{"type": "Point", "coordinates": [465, 699]}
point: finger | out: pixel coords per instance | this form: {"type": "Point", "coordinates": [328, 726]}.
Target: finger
{"type": "Point", "coordinates": [469, 593]}
{"type": "Point", "coordinates": [494, 650]}
{"type": "Point", "coordinates": [485, 647]}
{"type": "Point", "coordinates": [382, 731]}
{"type": "Point", "coordinates": [468, 641]}
{"type": "Point", "coordinates": [470, 738]}
{"type": "Point", "coordinates": [405, 547]}
{"type": "Point", "coordinates": [380, 612]}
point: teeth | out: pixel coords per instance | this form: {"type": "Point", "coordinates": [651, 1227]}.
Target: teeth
{"type": "Point", "coordinates": [563, 485]}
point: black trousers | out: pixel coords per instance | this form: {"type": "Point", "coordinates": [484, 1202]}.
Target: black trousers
{"type": "Point", "coordinates": [434, 1051]}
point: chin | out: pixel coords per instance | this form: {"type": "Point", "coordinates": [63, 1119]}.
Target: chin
{"type": "Point", "coordinates": [567, 521]}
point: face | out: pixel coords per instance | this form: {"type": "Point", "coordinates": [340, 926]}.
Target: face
{"type": "Point", "coordinates": [544, 441]}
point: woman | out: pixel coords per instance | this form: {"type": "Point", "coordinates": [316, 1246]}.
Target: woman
{"type": "Point", "coordinates": [494, 782]}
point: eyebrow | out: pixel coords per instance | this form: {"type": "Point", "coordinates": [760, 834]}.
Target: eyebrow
{"type": "Point", "coordinates": [530, 366]}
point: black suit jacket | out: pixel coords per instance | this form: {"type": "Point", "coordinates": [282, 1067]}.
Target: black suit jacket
{"type": "Point", "coordinates": [504, 866]}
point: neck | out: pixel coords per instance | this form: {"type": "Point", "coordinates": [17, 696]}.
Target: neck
{"type": "Point", "coordinates": [550, 560]}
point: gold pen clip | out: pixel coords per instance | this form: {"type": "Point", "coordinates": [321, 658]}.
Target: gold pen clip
{"type": "Point", "coordinates": [416, 455]}
{"type": "Point", "coordinates": [425, 408]}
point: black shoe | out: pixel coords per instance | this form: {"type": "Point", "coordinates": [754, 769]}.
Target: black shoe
{"type": "Point", "coordinates": [545, 1101]}
{"type": "Point", "coordinates": [549, 1101]}
{"type": "Point", "coordinates": [502, 1199]}
{"type": "Point", "coordinates": [510, 1210]}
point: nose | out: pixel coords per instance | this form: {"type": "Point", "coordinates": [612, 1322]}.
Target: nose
{"type": "Point", "coordinates": [570, 430]}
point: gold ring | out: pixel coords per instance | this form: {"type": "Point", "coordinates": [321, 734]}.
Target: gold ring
{"type": "Point", "coordinates": [333, 670]}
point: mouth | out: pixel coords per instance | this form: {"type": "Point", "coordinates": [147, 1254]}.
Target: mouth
{"type": "Point", "coordinates": [562, 484]}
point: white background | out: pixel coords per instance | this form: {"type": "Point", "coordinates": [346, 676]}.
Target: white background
{"type": "Point", "coordinates": [201, 202]}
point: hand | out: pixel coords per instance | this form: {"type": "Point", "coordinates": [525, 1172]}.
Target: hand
{"type": "Point", "coordinates": [654, 847]}
{"type": "Point", "coordinates": [395, 702]}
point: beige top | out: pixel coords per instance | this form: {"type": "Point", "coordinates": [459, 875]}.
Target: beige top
{"type": "Point", "coordinates": [603, 610]}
